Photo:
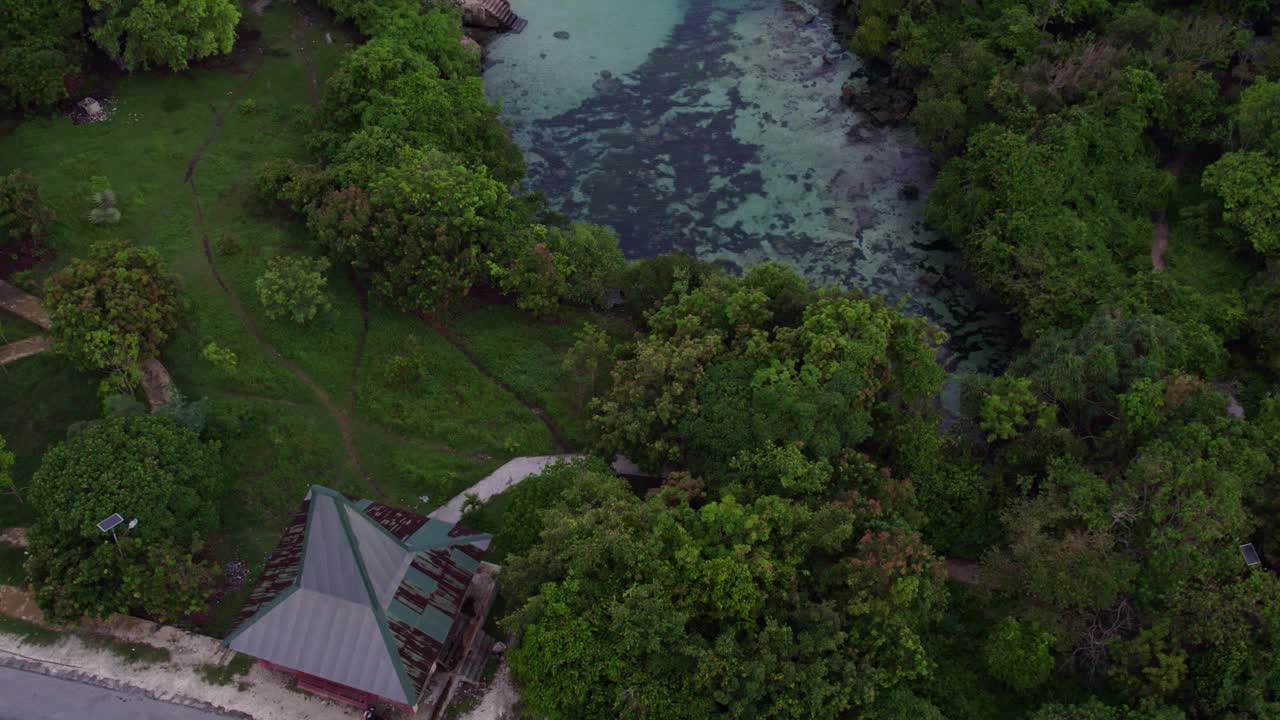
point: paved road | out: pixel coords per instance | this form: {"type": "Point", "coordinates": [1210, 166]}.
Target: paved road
{"type": "Point", "coordinates": [30, 696]}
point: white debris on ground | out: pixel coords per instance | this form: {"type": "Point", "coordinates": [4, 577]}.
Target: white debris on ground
{"type": "Point", "coordinates": [499, 700]}
{"type": "Point", "coordinates": [91, 110]}
{"type": "Point", "coordinates": [261, 694]}
{"type": "Point", "coordinates": [17, 537]}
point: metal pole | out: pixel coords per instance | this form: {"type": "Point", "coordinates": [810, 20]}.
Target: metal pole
{"type": "Point", "coordinates": [113, 537]}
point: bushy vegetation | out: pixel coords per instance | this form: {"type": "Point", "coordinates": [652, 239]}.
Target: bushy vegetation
{"type": "Point", "coordinates": [140, 34]}
{"type": "Point", "coordinates": [113, 310]}
{"type": "Point", "coordinates": [144, 467]}
{"type": "Point", "coordinates": [40, 45]}
{"type": "Point", "coordinates": [294, 288]}
{"type": "Point", "coordinates": [24, 217]}
{"type": "Point", "coordinates": [415, 192]}
{"type": "Point", "coordinates": [45, 44]}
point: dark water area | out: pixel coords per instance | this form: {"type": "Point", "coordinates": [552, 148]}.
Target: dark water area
{"type": "Point", "coordinates": [715, 127]}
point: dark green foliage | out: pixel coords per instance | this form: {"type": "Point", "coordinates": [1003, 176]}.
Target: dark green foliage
{"type": "Point", "coordinates": [143, 467]}
{"type": "Point", "coordinates": [113, 310]}
{"type": "Point", "coordinates": [1050, 223]}
{"type": "Point", "coordinates": [141, 34]}
{"type": "Point", "coordinates": [24, 217]}
{"type": "Point", "coordinates": [526, 503]}
{"type": "Point", "coordinates": [416, 193]}
{"type": "Point", "coordinates": [660, 610]}
{"type": "Point", "coordinates": [720, 373]}
{"type": "Point", "coordinates": [293, 287]}
{"type": "Point", "coordinates": [40, 48]}
{"type": "Point", "coordinates": [11, 561]}
{"type": "Point", "coordinates": [1017, 654]}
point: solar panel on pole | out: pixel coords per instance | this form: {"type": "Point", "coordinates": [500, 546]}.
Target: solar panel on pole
{"type": "Point", "coordinates": [1250, 554]}
{"type": "Point", "coordinates": [110, 522]}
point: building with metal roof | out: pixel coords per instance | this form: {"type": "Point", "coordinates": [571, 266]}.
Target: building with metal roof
{"type": "Point", "coordinates": [365, 602]}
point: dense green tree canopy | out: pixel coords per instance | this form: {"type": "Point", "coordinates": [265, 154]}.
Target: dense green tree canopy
{"type": "Point", "coordinates": [141, 34]}
{"type": "Point", "coordinates": [144, 467]}
{"type": "Point", "coordinates": [735, 366]}
{"type": "Point", "coordinates": [40, 47]}
{"type": "Point", "coordinates": [661, 610]}
{"type": "Point", "coordinates": [114, 309]}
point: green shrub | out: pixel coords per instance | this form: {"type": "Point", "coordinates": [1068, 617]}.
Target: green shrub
{"type": "Point", "coordinates": [1017, 654]}
{"type": "Point", "coordinates": [293, 287]}
{"type": "Point", "coordinates": [148, 33]}
{"type": "Point", "coordinates": [146, 467]}
{"type": "Point", "coordinates": [23, 215]}
{"type": "Point", "coordinates": [39, 48]}
{"type": "Point", "coordinates": [113, 310]}
{"type": "Point", "coordinates": [222, 358]}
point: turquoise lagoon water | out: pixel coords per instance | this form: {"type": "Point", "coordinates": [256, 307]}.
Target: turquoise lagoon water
{"type": "Point", "coordinates": [715, 127]}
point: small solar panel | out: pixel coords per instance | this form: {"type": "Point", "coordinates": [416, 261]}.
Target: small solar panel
{"type": "Point", "coordinates": [1250, 554]}
{"type": "Point", "coordinates": [110, 522]}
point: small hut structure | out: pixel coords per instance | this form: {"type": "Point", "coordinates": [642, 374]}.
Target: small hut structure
{"type": "Point", "coordinates": [366, 603]}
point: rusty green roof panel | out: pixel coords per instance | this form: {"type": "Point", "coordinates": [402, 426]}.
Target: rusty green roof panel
{"type": "Point", "coordinates": [349, 597]}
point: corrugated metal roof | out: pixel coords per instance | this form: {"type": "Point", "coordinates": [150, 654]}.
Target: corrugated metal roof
{"type": "Point", "coordinates": [385, 559]}
{"type": "Point", "coordinates": [330, 565]}
{"type": "Point", "coordinates": [354, 600]}
{"type": "Point", "coordinates": [328, 637]}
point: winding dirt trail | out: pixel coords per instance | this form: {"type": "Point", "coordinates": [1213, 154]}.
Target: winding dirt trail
{"type": "Point", "coordinates": [362, 297]}
{"type": "Point", "coordinates": [443, 330]}
{"type": "Point", "coordinates": [339, 414]}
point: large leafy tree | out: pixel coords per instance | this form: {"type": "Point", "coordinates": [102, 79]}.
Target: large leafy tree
{"type": "Point", "coordinates": [114, 309]}
{"type": "Point", "coordinates": [144, 467]}
{"type": "Point", "coordinates": [735, 366]}
{"type": "Point", "coordinates": [660, 609]}
{"type": "Point", "coordinates": [141, 34]}
{"type": "Point", "coordinates": [1050, 220]}
{"type": "Point", "coordinates": [425, 229]}
{"type": "Point", "coordinates": [39, 49]}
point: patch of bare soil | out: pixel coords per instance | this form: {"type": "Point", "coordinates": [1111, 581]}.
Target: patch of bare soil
{"type": "Point", "coordinates": [500, 700]}
{"type": "Point", "coordinates": [18, 603]}
{"type": "Point", "coordinates": [15, 537]}
{"type": "Point", "coordinates": [24, 305]}
{"type": "Point", "coordinates": [24, 348]}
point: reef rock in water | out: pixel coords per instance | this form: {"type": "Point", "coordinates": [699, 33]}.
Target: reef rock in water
{"type": "Point", "coordinates": [716, 127]}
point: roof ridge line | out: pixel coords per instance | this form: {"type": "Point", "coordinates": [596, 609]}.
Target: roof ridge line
{"type": "Point", "coordinates": [288, 590]}
{"type": "Point", "coordinates": [388, 641]}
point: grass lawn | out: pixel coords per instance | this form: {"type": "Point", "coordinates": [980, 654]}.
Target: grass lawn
{"type": "Point", "coordinates": [41, 396]}
{"type": "Point", "coordinates": [303, 404]}
{"type": "Point", "coordinates": [527, 353]}
{"type": "Point", "coordinates": [11, 560]}
{"type": "Point", "coordinates": [15, 328]}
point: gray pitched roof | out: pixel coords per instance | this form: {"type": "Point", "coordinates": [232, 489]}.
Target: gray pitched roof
{"type": "Point", "coordinates": [332, 620]}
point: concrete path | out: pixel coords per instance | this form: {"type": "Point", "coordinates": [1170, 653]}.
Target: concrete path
{"type": "Point", "coordinates": [497, 482]}
{"type": "Point", "coordinates": [26, 347]}
{"type": "Point", "coordinates": [157, 384]}
{"type": "Point", "coordinates": [29, 695]}
{"type": "Point", "coordinates": [24, 305]}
